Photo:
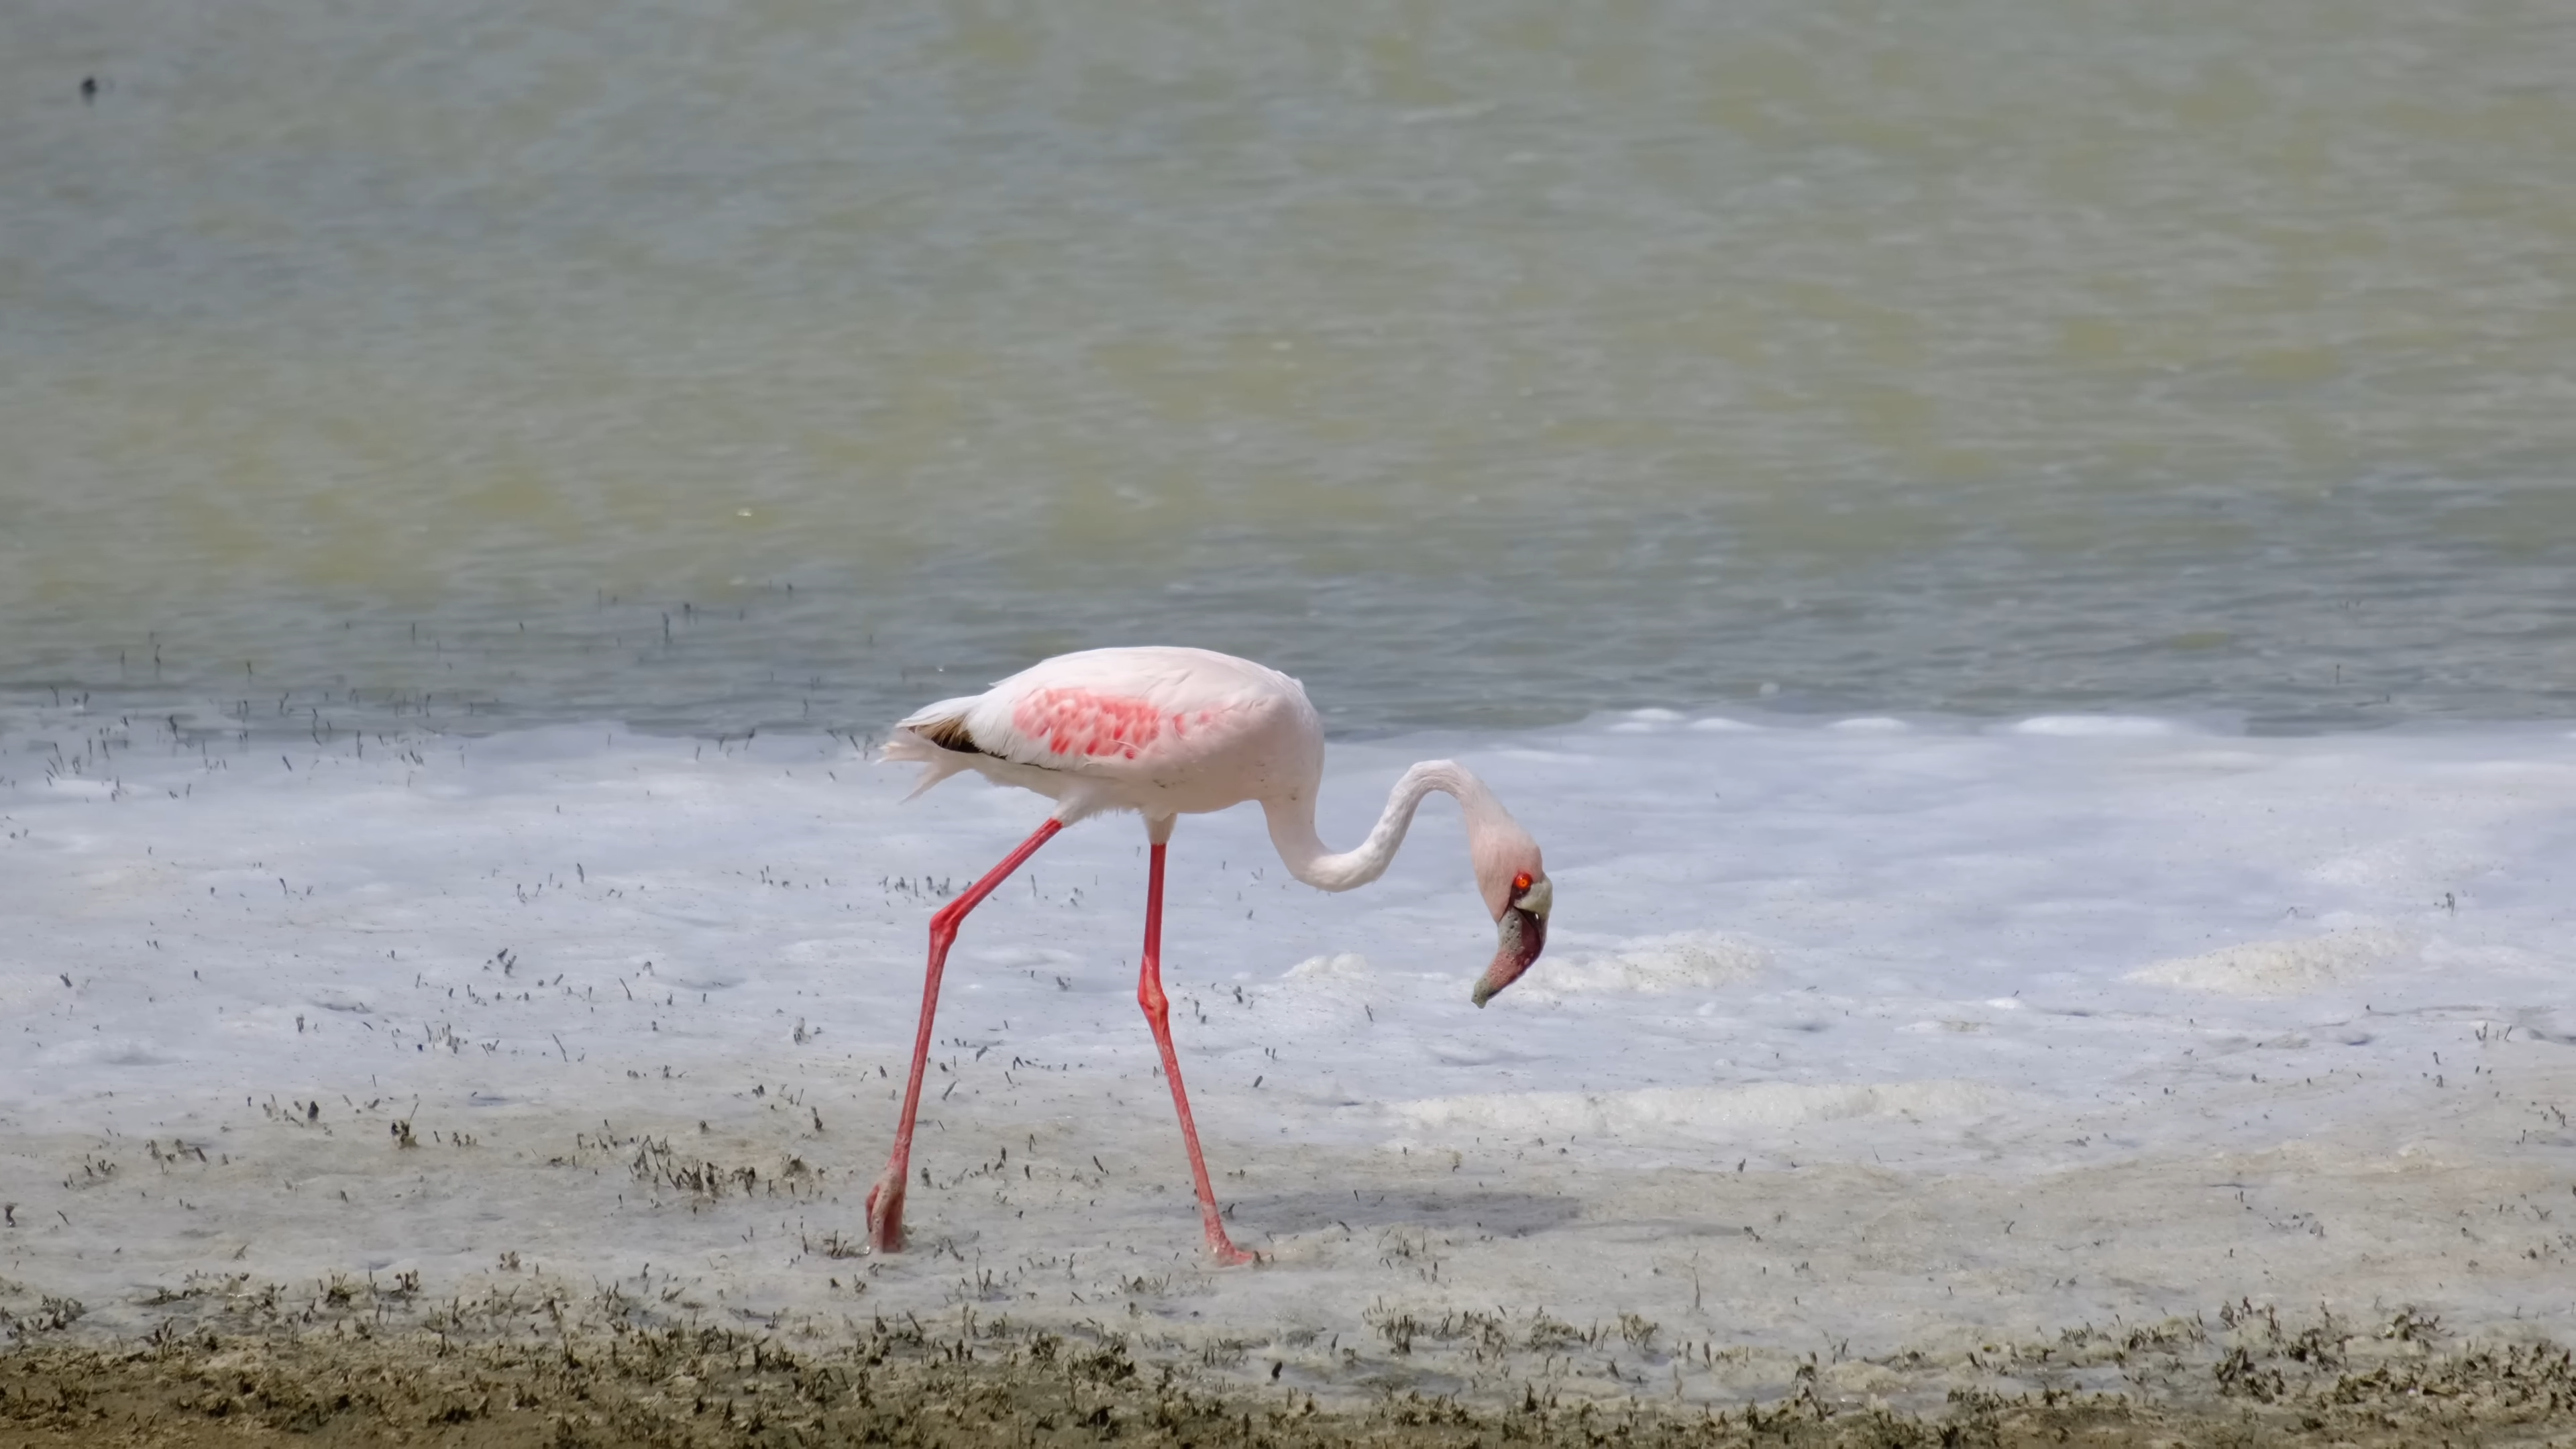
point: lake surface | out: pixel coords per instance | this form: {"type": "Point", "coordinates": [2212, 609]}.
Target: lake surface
{"type": "Point", "coordinates": [710, 365]}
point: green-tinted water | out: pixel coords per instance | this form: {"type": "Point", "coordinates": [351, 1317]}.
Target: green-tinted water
{"type": "Point", "coordinates": [1477, 362]}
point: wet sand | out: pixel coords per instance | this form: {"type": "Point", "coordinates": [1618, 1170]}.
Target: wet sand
{"type": "Point", "coordinates": [2324, 1294]}
{"type": "Point", "coordinates": [346, 1362]}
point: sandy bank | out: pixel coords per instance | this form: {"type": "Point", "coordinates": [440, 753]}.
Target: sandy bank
{"type": "Point", "coordinates": [349, 1364]}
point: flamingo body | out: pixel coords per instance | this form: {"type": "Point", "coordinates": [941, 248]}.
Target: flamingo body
{"type": "Point", "coordinates": [1159, 731]}
{"type": "Point", "coordinates": [1170, 732]}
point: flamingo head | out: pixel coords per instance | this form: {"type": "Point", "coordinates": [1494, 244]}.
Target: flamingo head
{"type": "Point", "coordinates": [1517, 888]}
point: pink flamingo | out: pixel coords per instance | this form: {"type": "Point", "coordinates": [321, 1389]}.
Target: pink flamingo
{"type": "Point", "coordinates": [1167, 733]}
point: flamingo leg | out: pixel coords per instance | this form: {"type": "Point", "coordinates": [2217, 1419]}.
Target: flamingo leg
{"type": "Point", "coordinates": [885, 1200]}
{"type": "Point", "coordinates": [1158, 1014]}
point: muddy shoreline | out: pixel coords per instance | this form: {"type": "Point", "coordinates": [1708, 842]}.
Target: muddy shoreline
{"type": "Point", "coordinates": [358, 1364]}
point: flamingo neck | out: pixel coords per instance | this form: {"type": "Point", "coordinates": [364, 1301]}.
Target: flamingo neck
{"type": "Point", "coordinates": [1292, 826]}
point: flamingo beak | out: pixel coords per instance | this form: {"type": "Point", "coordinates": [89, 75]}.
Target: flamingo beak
{"type": "Point", "coordinates": [1523, 934]}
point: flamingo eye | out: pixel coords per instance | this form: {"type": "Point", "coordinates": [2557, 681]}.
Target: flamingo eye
{"type": "Point", "coordinates": [1520, 883]}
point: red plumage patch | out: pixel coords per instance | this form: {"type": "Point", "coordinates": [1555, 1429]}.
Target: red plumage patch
{"type": "Point", "coordinates": [1081, 721]}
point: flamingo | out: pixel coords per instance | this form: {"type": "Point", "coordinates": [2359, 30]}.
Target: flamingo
{"type": "Point", "coordinates": [1169, 732]}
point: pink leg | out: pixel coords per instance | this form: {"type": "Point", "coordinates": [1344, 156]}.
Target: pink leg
{"type": "Point", "coordinates": [1158, 1014]}
{"type": "Point", "coordinates": [885, 1200]}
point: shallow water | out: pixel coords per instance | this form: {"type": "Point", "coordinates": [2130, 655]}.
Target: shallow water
{"type": "Point", "coordinates": [1894, 1036]}
{"type": "Point", "coordinates": [1476, 364]}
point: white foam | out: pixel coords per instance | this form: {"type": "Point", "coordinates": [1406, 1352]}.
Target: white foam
{"type": "Point", "coordinates": [2096, 726]}
{"type": "Point", "coordinates": [1338, 968]}
{"type": "Point", "coordinates": [1727, 1112]}
{"type": "Point", "coordinates": [2285, 967]}
{"type": "Point", "coordinates": [1692, 961]}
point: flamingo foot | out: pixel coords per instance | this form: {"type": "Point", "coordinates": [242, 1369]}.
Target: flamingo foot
{"type": "Point", "coordinates": [885, 1212]}
{"type": "Point", "coordinates": [1222, 1248]}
